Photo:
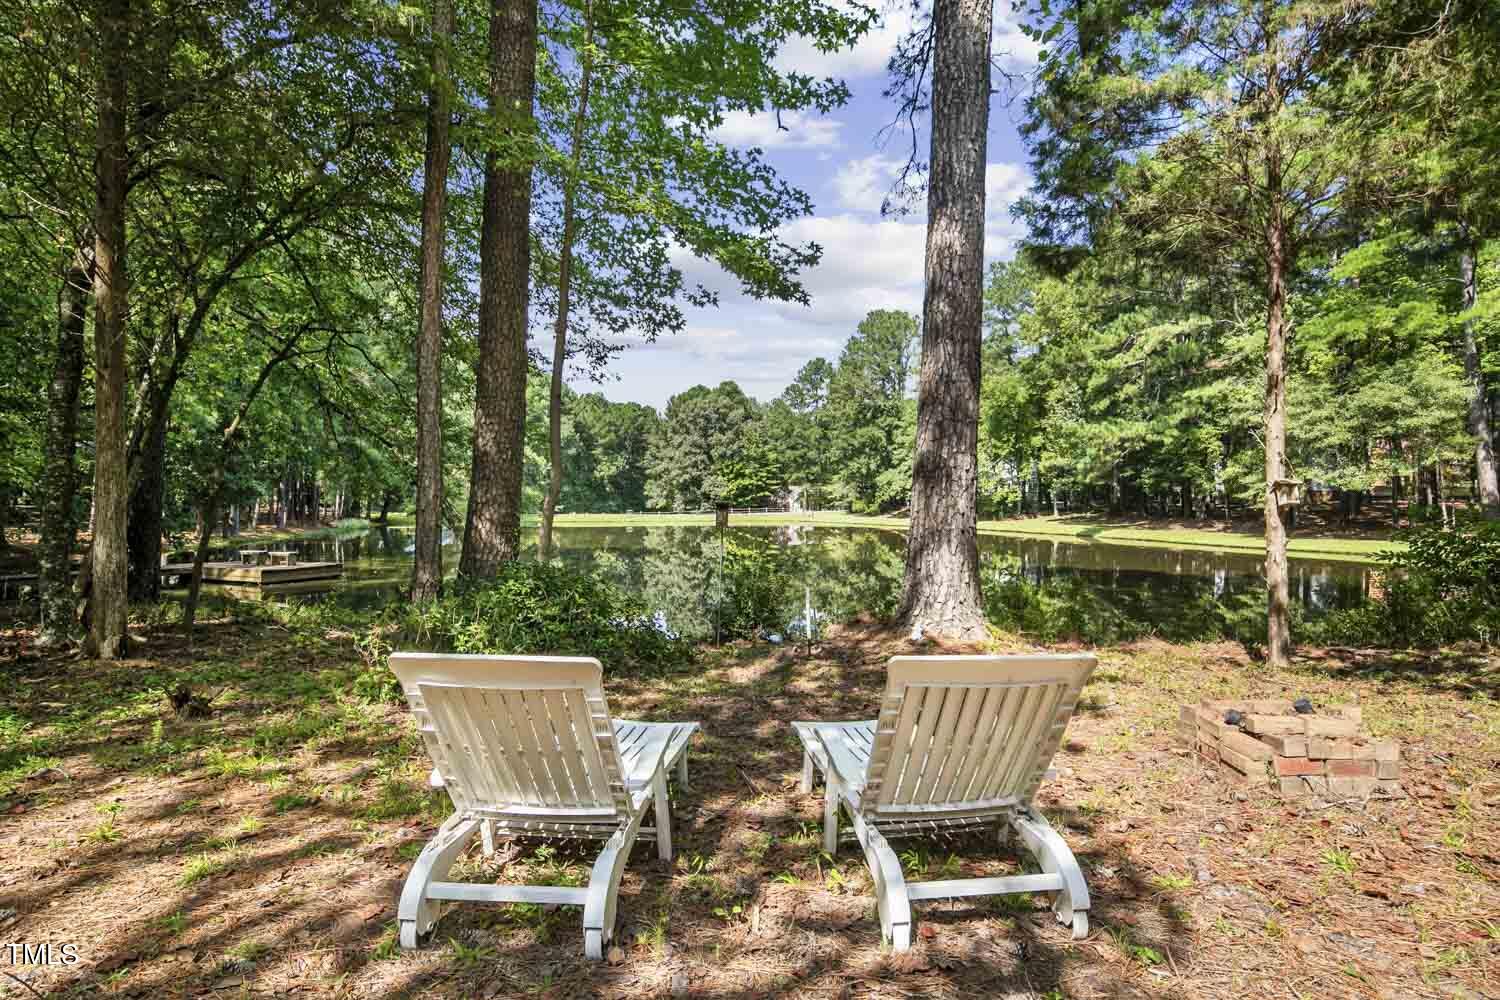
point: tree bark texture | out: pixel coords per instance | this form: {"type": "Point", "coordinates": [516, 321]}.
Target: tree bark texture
{"type": "Point", "coordinates": [564, 297]}
{"type": "Point", "coordinates": [59, 524]}
{"type": "Point", "coordinates": [1278, 597]}
{"type": "Point", "coordinates": [492, 533]}
{"type": "Point", "coordinates": [427, 568]}
{"type": "Point", "coordinates": [941, 586]}
{"type": "Point", "coordinates": [147, 493]}
{"type": "Point", "coordinates": [107, 633]}
{"type": "Point", "coordinates": [1479, 414]}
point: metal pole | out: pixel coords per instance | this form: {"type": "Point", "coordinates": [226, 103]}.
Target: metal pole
{"type": "Point", "coordinates": [719, 605]}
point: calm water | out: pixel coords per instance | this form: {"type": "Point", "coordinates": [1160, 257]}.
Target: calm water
{"type": "Point", "coordinates": [846, 570]}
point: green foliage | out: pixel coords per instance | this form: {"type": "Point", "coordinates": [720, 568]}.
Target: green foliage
{"type": "Point", "coordinates": [1443, 588]}
{"type": "Point", "coordinates": [533, 608]}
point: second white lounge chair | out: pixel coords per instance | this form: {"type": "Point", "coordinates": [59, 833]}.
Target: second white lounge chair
{"type": "Point", "coordinates": [961, 742]}
{"type": "Point", "coordinates": [525, 745]}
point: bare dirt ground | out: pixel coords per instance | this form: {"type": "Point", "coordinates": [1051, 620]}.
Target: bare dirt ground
{"type": "Point", "coordinates": [259, 850]}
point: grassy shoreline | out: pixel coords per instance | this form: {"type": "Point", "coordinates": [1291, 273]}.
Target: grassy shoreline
{"type": "Point", "coordinates": [1084, 529]}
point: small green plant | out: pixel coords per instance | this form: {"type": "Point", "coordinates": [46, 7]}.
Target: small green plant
{"type": "Point", "coordinates": [288, 801]}
{"type": "Point", "coordinates": [249, 950]}
{"type": "Point", "coordinates": [730, 913]}
{"type": "Point", "coordinates": [470, 954]}
{"type": "Point", "coordinates": [1134, 950]}
{"type": "Point", "coordinates": [104, 833]}
{"type": "Point", "coordinates": [655, 934]}
{"type": "Point", "coordinates": [174, 923]}
{"type": "Point", "coordinates": [1172, 883]}
{"type": "Point", "coordinates": [202, 866]}
{"type": "Point", "coordinates": [1339, 860]}
{"type": "Point", "coordinates": [758, 845]}
{"type": "Point", "coordinates": [388, 946]}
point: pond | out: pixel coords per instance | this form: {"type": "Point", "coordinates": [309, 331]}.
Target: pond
{"type": "Point", "coordinates": [842, 571]}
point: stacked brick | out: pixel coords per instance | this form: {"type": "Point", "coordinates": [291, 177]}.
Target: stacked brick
{"type": "Point", "coordinates": [1273, 746]}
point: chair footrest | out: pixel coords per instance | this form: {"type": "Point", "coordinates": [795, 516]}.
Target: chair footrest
{"type": "Point", "coordinates": [951, 888]}
{"type": "Point", "coordinates": [473, 892]}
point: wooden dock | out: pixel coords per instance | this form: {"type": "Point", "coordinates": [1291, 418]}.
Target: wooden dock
{"type": "Point", "coordinates": [245, 574]}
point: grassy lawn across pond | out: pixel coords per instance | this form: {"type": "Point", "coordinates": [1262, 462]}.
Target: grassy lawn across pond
{"type": "Point", "coordinates": [1165, 534]}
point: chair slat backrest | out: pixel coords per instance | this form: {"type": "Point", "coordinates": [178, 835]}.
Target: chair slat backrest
{"type": "Point", "coordinates": [518, 733]}
{"type": "Point", "coordinates": [957, 733]}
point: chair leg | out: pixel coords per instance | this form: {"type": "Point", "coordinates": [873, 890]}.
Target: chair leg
{"type": "Point", "coordinates": [604, 887]}
{"type": "Point", "coordinates": [890, 886]}
{"type": "Point", "coordinates": [682, 774]}
{"type": "Point", "coordinates": [830, 814]}
{"type": "Point", "coordinates": [1071, 903]}
{"type": "Point", "coordinates": [807, 773]}
{"type": "Point", "coordinates": [416, 914]}
{"type": "Point", "coordinates": [663, 809]}
{"type": "Point", "coordinates": [487, 837]}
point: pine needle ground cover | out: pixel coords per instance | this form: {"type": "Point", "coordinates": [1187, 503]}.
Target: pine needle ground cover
{"type": "Point", "coordinates": [256, 847]}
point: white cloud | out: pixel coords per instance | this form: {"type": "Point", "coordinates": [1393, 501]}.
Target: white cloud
{"type": "Point", "coordinates": [1015, 51]}
{"type": "Point", "coordinates": [861, 185]}
{"type": "Point", "coordinates": [866, 265]}
{"type": "Point", "coordinates": [1004, 184]}
{"type": "Point", "coordinates": [867, 57]}
{"type": "Point", "coordinates": [794, 130]}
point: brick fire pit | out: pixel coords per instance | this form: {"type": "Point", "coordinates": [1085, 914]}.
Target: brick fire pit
{"type": "Point", "coordinates": [1271, 745]}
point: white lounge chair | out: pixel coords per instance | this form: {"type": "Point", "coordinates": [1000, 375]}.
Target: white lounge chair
{"type": "Point", "coordinates": [961, 742]}
{"type": "Point", "coordinates": [525, 745]}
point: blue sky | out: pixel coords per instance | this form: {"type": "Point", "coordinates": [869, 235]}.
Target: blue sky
{"type": "Point", "coordinates": [869, 262]}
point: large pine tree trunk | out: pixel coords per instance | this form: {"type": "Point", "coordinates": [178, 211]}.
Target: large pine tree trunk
{"type": "Point", "coordinates": [564, 296]}
{"type": "Point", "coordinates": [59, 473]}
{"type": "Point", "coordinates": [492, 533]}
{"type": "Point", "coordinates": [1479, 416]}
{"type": "Point", "coordinates": [427, 569]}
{"type": "Point", "coordinates": [941, 588]}
{"type": "Point", "coordinates": [107, 634]}
{"type": "Point", "coordinates": [1278, 596]}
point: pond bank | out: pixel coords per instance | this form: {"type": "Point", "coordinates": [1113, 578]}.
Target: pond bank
{"type": "Point", "coordinates": [1081, 528]}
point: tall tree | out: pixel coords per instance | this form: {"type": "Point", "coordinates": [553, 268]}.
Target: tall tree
{"type": "Point", "coordinates": [1200, 132]}
{"type": "Point", "coordinates": [865, 409]}
{"type": "Point", "coordinates": [492, 533]}
{"type": "Point", "coordinates": [570, 185]}
{"type": "Point", "coordinates": [940, 591]}
{"type": "Point", "coordinates": [59, 483]}
{"type": "Point", "coordinates": [108, 638]}
{"type": "Point", "coordinates": [427, 567]}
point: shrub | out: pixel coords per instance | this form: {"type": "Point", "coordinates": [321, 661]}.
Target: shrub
{"type": "Point", "coordinates": [1442, 589]}
{"type": "Point", "coordinates": [529, 608]}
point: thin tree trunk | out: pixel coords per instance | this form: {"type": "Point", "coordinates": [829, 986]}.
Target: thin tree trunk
{"type": "Point", "coordinates": [492, 534]}
{"type": "Point", "coordinates": [208, 511]}
{"type": "Point", "coordinates": [147, 493]}
{"type": "Point", "coordinates": [59, 523]}
{"type": "Point", "coordinates": [427, 568]}
{"type": "Point", "coordinates": [1278, 595]}
{"type": "Point", "coordinates": [941, 585]}
{"type": "Point", "coordinates": [1479, 411]}
{"type": "Point", "coordinates": [564, 292]}
{"type": "Point", "coordinates": [108, 638]}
